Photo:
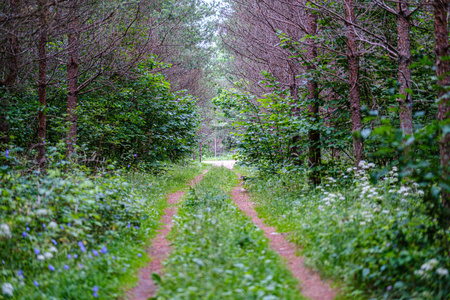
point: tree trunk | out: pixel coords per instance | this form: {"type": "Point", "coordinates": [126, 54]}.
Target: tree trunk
{"type": "Point", "coordinates": [295, 111]}
{"type": "Point", "coordinates": [72, 79]}
{"type": "Point", "coordinates": [314, 157]}
{"type": "Point", "coordinates": [442, 69]}
{"type": "Point", "coordinates": [42, 52]}
{"type": "Point", "coordinates": [200, 151]}
{"type": "Point", "coordinates": [353, 75]}
{"type": "Point", "coordinates": [404, 63]}
{"type": "Point", "coordinates": [13, 71]}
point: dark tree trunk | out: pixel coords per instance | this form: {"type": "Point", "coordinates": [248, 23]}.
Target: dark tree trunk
{"type": "Point", "coordinates": [42, 52]}
{"type": "Point", "coordinates": [295, 111]}
{"type": "Point", "coordinates": [404, 63]}
{"type": "Point", "coordinates": [353, 75]}
{"type": "Point", "coordinates": [13, 71]}
{"type": "Point", "coordinates": [442, 70]}
{"type": "Point", "coordinates": [314, 157]}
{"type": "Point", "coordinates": [72, 79]}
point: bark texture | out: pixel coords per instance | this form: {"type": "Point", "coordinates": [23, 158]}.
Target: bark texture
{"type": "Point", "coordinates": [404, 63]}
{"type": "Point", "coordinates": [314, 157]}
{"type": "Point", "coordinates": [72, 79]}
{"type": "Point", "coordinates": [42, 53]}
{"type": "Point", "coordinates": [442, 70]}
{"type": "Point", "coordinates": [353, 76]}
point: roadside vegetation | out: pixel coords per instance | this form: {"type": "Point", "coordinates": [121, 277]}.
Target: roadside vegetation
{"type": "Point", "coordinates": [71, 235]}
{"type": "Point", "coordinates": [376, 239]}
{"type": "Point", "coordinates": [219, 253]}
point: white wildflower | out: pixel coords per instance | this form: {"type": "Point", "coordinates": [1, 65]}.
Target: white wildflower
{"type": "Point", "coordinates": [40, 257]}
{"type": "Point", "coordinates": [442, 271]}
{"type": "Point", "coordinates": [349, 170]}
{"type": "Point", "coordinates": [53, 249]}
{"type": "Point", "coordinates": [394, 168]}
{"type": "Point", "coordinates": [53, 225]}
{"type": "Point", "coordinates": [385, 211]}
{"type": "Point", "coordinates": [41, 212]}
{"type": "Point", "coordinates": [420, 192]}
{"type": "Point", "coordinates": [419, 272]}
{"type": "Point", "coordinates": [48, 255]}
{"type": "Point", "coordinates": [5, 231]}
{"type": "Point", "coordinates": [341, 198]}
{"type": "Point", "coordinates": [362, 223]}
{"type": "Point", "coordinates": [371, 165]}
{"type": "Point", "coordinates": [7, 289]}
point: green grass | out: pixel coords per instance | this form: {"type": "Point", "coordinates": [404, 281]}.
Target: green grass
{"type": "Point", "coordinates": [218, 158]}
{"type": "Point", "coordinates": [219, 253]}
{"type": "Point", "coordinates": [376, 240]}
{"type": "Point", "coordinates": [119, 213]}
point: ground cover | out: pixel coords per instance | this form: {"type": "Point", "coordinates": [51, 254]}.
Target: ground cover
{"type": "Point", "coordinates": [376, 239]}
{"type": "Point", "coordinates": [218, 252]}
{"type": "Point", "coordinates": [67, 235]}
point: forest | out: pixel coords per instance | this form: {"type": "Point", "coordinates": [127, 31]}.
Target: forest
{"type": "Point", "coordinates": [224, 149]}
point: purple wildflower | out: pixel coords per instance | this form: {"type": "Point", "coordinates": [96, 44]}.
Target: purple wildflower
{"type": "Point", "coordinates": [80, 265]}
{"type": "Point", "coordinates": [135, 155]}
{"type": "Point", "coordinates": [69, 256]}
{"type": "Point", "coordinates": [28, 228]}
{"type": "Point", "coordinates": [80, 243]}
{"type": "Point", "coordinates": [124, 269]}
{"type": "Point", "coordinates": [129, 225]}
{"type": "Point", "coordinates": [95, 289]}
{"type": "Point", "coordinates": [37, 251]}
{"type": "Point", "coordinates": [51, 268]}
{"type": "Point", "coordinates": [62, 227]}
{"type": "Point", "coordinates": [95, 294]}
{"type": "Point", "coordinates": [139, 255]}
{"type": "Point", "coordinates": [24, 234]}
{"type": "Point", "coordinates": [389, 288]}
{"type": "Point", "coordinates": [7, 153]}
{"type": "Point", "coordinates": [137, 227]}
{"type": "Point", "coordinates": [54, 242]}
{"type": "Point", "coordinates": [68, 224]}
{"type": "Point", "coordinates": [35, 283]}
{"type": "Point", "coordinates": [90, 256]}
{"type": "Point", "coordinates": [43, 225]}
{"type": "Point", "coordinates": [104, 250]}
{"type": "Point", "coordinates": [113, 257]}
{"type": "Point", "coordinates": [75, 256]}
{"type": "Point", "coordinates": [66, 267]}
{"type": "Point", "coordinates": [128, 166]}
{"type": "Point", "coordinates": [95, 252]}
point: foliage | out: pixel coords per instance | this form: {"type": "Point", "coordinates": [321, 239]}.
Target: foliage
{"type": "Point", "coordinates": [219, 253]}
{"type": "Point", "coordinates": [138, 122]}
{"type": "Point", "coordinates": [69, 235]}
{"type": "Point", "coordinates": [378, 239]}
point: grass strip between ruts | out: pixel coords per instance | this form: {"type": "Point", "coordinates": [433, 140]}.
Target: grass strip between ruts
{"type": "Point", "coordinates": [219, 253]}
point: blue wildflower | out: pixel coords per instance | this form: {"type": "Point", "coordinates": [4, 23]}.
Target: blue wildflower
{"type": "Point", "coordinates": [20, 273]}
{"type": "Point", "coordinates": [104, 250]}
{"type": "Point", "coordinates": [51, 268]}
{"type": "Point", "coordinates": [69, 256]}
{"type": "Point", "coordinates": [80, 265]}
{"type": "Point", "coordinates": [54, 242]}
{"type": "Point", "coordinates": [35, 283]}
{"type": "Point", "coordinates": [95, 289]}
{"type": "Point", "coordinates": [135, 155]}
{"type": "Point", "coordinates": [7, 153]}
{"type": "Point", "coordinates": [82, 248]}
{"type": "Point", "coordinates": [62, 227]}
{"type": "Point", "coordinates": [124, 269]}
{"type": "Point", "coordinates": [90, 256]}
{"type": "Point", "coordinates": [95, 252]}
{"type": "Point", "coordinates": [68, 224]}
{"type": "Point", "coordinates": [75, 256]}
{"type": "Point", "coordinates": [129, 225]}
{"type": "Point", "coordinates": [43, 225]}
{"type": "Point", "coordinates": [66, 267]}
{"type": "Point", "coordinates": [24, 234]}
{"type": "Point", "coordinates": [128, 166]}
{"type": "Point", "coordinates": [28, 228]}
{"type": "Point", "coordinates": [137, 227]}
{"type": "Point", "coordinates": [37, 251]}
{"type": "Point", "coordinates": [113, 257]}
{"type": "Point", "coordinates": [139, 255]}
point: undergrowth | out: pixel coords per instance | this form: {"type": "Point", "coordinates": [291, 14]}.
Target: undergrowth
{"type": "Point", "coordinates": [376, 239]}
{"type": "Point", "coordinates": [67, 235]}
{"type": "Point", "coordinates": [219, 253]}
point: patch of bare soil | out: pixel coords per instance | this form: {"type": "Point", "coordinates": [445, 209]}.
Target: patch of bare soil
{"type": "Point", "coordinates": [159, 250]}
{"type": "Point", "coordinates": [312, 286]}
